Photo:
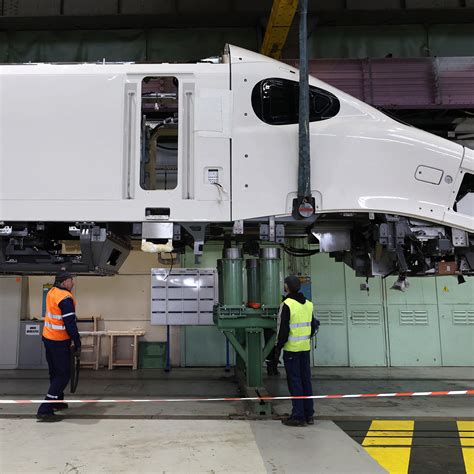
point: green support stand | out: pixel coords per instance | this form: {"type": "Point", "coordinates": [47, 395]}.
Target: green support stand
{"type": "Point", "coordinates": [251, 353]}
{"type": "Point", "coordinates": [244, 324]}
{"type": "Point", "coordinates": [243, 327]}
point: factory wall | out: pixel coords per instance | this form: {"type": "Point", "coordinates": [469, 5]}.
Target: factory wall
{"type": "Point", "coordinates": [366, 323]}
{"type": "Point", "coordinates": [122, 301]}
{"type": "Point", "coordinates": [362, 323]}
{"type": "Point", "coordinates": [380, 41]}
{"type": "Point", "coordinates": [164, 45]}
{"type": "Point", "coordinates": [192, 44]}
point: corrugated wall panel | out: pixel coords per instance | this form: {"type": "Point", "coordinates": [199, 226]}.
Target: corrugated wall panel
{"type": "Point", "coordinates": [345, 75]}
{"type": "Point", "coordinates": [402, 82]}
{"type": "Point", "coordinates": [456, 80]}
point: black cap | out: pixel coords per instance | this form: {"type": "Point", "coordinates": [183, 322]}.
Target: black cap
{"type": "Point", "coordinates": [293, 283]}
{"type": "Point", "coordinates": [62, 276]}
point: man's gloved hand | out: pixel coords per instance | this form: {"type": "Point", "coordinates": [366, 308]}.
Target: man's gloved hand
{"type": "Point", "coordinates": [77, 351]}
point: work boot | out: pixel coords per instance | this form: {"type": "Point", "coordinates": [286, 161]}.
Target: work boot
{"type": "Point", "coordinates": [49, 418]}
{"type": "Point", "coordinates": [293, 422]}
{"type": "Point", "coordinates": [310, 420]}
{"type": "Point", "coordinates": [60, 406]}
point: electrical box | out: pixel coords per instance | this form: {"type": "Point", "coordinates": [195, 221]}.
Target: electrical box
{"type": "Point", "coordinates": [11, 289]}
{"type": "Point", "coordinates": [32, 354]}
{"type": "Point", "coordinates": [213, 176]}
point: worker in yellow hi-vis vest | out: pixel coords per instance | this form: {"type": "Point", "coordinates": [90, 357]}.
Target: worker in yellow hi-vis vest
{"type": "Point", "coordinates": [297, 326]}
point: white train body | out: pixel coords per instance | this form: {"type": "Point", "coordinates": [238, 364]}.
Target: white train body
{"type": "Point", "coordinates": [72, 149]}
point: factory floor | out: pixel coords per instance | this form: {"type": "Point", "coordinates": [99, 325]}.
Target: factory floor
{"type": "Point", "coordinates": [424, 434]}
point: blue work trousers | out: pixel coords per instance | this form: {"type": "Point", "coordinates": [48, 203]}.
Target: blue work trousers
{"type": "Point", "coordinates": [58, 355]}
{"type": "Point", "coordinates": [298, 376]}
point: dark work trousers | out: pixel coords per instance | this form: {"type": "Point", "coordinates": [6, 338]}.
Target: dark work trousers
{"type": "Point", "coordinates": [298, 375]}
{"type": "Point", "coordinates": [267, 334]}
{"type": "Point", "coordinates": [58, 355]}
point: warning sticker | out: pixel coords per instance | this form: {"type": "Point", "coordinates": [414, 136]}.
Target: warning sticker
{"type": "Point", "coordinates": [32, 329]}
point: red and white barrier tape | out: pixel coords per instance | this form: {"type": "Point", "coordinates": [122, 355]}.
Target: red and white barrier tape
{"type": "Point", "coordinates": [243, 399]}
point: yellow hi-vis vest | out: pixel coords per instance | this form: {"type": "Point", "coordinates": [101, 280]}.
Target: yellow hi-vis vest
{"type": "Point", "coordinates": [301, 316]}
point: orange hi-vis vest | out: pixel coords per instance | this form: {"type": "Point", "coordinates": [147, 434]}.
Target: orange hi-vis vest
{"type": "Point", "coordinates": [54, 328]}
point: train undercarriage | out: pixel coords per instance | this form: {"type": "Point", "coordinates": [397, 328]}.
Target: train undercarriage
{"type": "Point", "coordinates": [370, 243]}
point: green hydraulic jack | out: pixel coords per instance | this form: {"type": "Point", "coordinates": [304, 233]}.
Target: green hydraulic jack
{"type": "Point", "coordinates": [250, 327]}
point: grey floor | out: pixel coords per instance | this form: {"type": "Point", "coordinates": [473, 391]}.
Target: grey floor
{"type": "Point", "coordinates": [212, 382]}
{"type": "Point", "coordinates": [80, 445]}
{"type": "Point", "coordinates": [211, 436]}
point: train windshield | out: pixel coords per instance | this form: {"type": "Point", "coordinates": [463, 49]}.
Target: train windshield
{"type": "Point", "coordinates": [275, 101]}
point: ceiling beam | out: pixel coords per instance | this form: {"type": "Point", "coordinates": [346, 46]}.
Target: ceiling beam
{"type": "Point", "coordinates": [279, 24]}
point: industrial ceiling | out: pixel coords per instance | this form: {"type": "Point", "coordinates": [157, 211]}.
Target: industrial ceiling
{"type": "Point", "coordinates": [86, 14]}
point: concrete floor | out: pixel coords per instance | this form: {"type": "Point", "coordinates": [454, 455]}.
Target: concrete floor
{"type": "Point", "coordinates": [185, 383]}
{"type": "Point", "coordinates": [85, 446]}
{"type": "Point", "coordinates": [211, 436]}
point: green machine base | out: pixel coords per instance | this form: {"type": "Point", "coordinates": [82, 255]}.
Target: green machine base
{"type": "Point", "coordinates": [244, 327]}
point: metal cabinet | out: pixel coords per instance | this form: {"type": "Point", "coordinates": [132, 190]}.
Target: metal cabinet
{"type": "Point", "coordinates": [366, 321]}
{"type": "Point", "coordinates": [329, 298]}
{"type": "Point", "coordinates": [10, 309]}
{"type": "Point", "coordinates": [413, 323]}
{"type": "Point", "coordinates": [32, 354]}
{"type": "Point", "coordinates": [456, 320]}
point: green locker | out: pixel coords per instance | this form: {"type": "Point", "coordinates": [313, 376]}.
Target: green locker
{"type": "Point", "coordinates": [329, 298]}
{"type": "Point", "coordinates": [457, 334]}
{"type": "Point", "coordinates": [451, 292]}
{"type": "Point", "coordinates": [413, 323]}
{"type": "Point", "coordinates": [366, 336]}
{"type": "Point", "coordinates": [331, 342]}
{"type": "Point", "coordinates": [414, 335]}
{"type": "Point", "coordinates": [327, 280]}
{"type": "Point", "coordinates": [421, 291]}
{"type": "Point", "coordinates": [456, 319]}
{"type": "Point", "coordinates": [366, 326]}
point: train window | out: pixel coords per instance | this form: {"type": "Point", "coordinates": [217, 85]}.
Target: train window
{"type": "Point", "coordinates": [275, 101]}
{"type": "Point", "coordinates": [159, 133]}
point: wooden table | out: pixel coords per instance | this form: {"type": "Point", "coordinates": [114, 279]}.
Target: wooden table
{"type": "Point", "coordinates": [133, 361]}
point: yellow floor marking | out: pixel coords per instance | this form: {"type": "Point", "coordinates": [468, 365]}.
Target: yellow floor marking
{"type": "Point", "coordinates": [395, 435]}
{"type": "Point", "coordinates": [466, 436]}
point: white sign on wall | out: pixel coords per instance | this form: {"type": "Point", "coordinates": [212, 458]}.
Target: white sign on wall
{"type": "Point", "coordinates": [32, 329]}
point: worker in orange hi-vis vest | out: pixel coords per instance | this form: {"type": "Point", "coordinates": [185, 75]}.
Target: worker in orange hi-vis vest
{"type": "Point", "coordinates": [59, 331]}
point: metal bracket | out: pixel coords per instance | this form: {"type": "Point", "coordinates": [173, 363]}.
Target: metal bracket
{"type": "Point", "coordinates": [272, 232]}
{"type": "Point", "coordinates": [238, 228]}
{"type": "Point", "coordinates": [280, 234]}
{"type": "Point", "coordinates": [198, 233]}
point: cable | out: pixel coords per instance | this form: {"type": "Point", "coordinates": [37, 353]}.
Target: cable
{"type": "Point", "coordinates": [221, 189]}
{"type": "Point", "coordinates": [295, 252]}
{"type": "Point", "coordinates": [171, 266]}
{"type": "Point", "coordinates": [166, 147]}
